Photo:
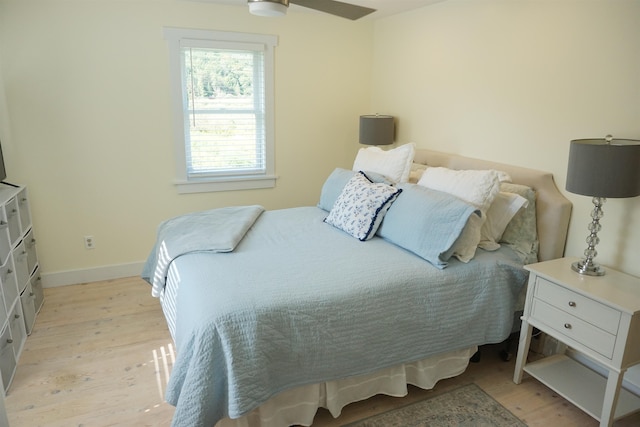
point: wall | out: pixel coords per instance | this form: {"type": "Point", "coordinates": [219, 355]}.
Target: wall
{"type": "Point", "coordinates": [86, 119]}
{"type": "Point", "coordinates": [514, 82]}
{"type": "Point", "coordinates": [84, 106]}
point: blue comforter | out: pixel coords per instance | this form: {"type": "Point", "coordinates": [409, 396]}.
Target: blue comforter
{"type": "Point", "coordinates": [300, 302]}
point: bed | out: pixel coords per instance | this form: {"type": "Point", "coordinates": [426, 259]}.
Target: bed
{"type": "Point", "coordinates": [336, 308]}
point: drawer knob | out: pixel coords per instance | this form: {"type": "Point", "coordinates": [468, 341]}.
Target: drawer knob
{"type": "Point", "coordinates": [9, 340]}
{"type": "Point", "coordinates": [567, 325]}
{"type": "Point", "coordinates": [572, 304]}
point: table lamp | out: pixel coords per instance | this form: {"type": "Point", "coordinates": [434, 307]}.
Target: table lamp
{"type": "Point", "coordinates": [602, 168]}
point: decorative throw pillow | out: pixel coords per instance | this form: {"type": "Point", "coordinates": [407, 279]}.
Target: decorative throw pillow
{"type": "Point", "coordinates": [361, 206]}
{"type": "Point", "coordinates": [504, 207]}
{"type": "Point", "coordinates": [335, 183]}
{"type": "Point", "coordinates": [478, 187]}
{"type": "Point", "coordinates": [394, 164]}
{"type": "Point", "coordinates": [522, 232]}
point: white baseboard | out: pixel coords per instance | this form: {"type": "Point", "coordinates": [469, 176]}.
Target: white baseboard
{"type": "Point", "coordinates": [108, 272]}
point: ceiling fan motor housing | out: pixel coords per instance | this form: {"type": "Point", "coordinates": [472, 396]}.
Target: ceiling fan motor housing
{"type": "Point", "coordinates": [268, 7]}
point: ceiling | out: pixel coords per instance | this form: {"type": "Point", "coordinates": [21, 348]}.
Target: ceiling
{"type": "Point", "coordinates": [383, 7]}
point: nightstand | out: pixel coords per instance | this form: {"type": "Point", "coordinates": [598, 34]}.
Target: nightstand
{"type": "Point", "coordinates": [596, 316]}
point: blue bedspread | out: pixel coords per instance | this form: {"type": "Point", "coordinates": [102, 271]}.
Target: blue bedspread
{"type": "Point", "coordinates": [300, 302]}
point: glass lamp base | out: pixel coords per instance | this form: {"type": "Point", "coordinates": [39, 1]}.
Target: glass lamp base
{"type": "Point", "coordinates": [588, 268]}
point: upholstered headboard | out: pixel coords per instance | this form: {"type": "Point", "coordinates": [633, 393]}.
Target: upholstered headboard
{"type": "Point", "coordinates": [553, 210]}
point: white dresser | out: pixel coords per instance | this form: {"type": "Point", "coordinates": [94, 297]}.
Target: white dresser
{"type": "Point", "coordinates": [21, 294]}
{"type": "Point", "coordinates": [598, 317]}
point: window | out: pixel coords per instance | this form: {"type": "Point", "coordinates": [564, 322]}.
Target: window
{"type": "Point", "coordinates": [222, 90]}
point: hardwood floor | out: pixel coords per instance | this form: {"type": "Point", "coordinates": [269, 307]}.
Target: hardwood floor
{"type": "Point", "coordinates": [100, 354]}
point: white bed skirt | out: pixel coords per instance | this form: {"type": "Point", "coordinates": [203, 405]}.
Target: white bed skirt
{"type": "Point", "coordinates": [298, 406]}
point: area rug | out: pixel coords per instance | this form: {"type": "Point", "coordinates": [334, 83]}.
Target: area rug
{"type": "Point", "coordinates": [467, 406]}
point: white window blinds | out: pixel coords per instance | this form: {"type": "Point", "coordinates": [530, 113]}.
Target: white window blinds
{"type": "Point", "coordinates": [224, 111]}
{"type": "Point", "coordinates": [226, 119]}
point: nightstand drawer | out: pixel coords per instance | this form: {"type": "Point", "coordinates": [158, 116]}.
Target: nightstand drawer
{"type": "Point", "coordinates": [574, 328]}
{"type": "Point", "coordinates": [577, 305]}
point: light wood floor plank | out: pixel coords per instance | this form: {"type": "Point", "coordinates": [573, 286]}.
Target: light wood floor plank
{"type": "Point", "coordinates": [99, 356]}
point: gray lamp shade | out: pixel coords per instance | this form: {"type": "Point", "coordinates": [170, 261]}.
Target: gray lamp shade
{"type": "Point", "coordinates": [376, 130]}
{"type": "Point", "coordinates": [604, 167]}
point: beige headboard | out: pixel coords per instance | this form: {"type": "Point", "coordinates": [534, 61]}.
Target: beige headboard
{"type": "Point", "coordinates": [553, 210]}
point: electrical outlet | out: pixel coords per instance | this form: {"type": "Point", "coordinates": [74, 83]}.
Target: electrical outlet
{"type": "Point", "coordinates": [89, 242]}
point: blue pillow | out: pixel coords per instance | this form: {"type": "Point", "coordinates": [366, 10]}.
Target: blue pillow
{"type": "Point", "coordinates": [426, 222]}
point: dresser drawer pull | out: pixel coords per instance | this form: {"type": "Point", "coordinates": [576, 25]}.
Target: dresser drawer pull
{"type": "Point", "coordinates": [567, 325]}
{"type": "Point", "coordinates": [572, 304]}
{"type": "Point", "coordinates": [9, 340]}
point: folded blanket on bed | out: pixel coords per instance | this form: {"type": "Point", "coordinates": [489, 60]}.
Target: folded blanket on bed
{"type": "Point", "coordinates": [217, 230]}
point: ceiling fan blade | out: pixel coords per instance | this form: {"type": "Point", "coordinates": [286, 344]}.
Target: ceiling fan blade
{"type": "Point", "coordinates": [344, 10]}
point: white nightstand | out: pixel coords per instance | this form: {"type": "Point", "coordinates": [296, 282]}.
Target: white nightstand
{"type": "Point", "coordinates": [596, 316]}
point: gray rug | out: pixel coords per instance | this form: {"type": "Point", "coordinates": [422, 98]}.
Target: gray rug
{"type": "Point", "coordinates": [466, 406]}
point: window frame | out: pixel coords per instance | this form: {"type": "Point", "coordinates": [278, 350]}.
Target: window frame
{"type": "Point", "coordinates": [176, 37]}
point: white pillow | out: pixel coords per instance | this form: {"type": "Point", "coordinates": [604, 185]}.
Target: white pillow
{"type": "Point", "coordinates": [504, 207]}
{"type": "Point", "coordinates": [503, 176]}
{"type": "Point", "coordinates": [394, 164]}
{"type": "Point", "coordinates": [361, 206]}
{"type": "Point", "coordinates": [416, 172]}
{"type": "Point", "coordinates": [478, 187]}
{"type": "Point", "coordinates": [465, 246]}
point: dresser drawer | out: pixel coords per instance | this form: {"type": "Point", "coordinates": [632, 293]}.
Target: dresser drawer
{"type": "Point", "coordinates": [13, 219]}
{"type": "Point", "coordinates": [7, 357]}
{"type": "Point", "coordinates": [5, 241]}
{"type": "Point", "coordinates": [27, 298]}
{"type": "Point", "coordinates": [3, 310]}
{"type": "Point", "coordinates": [577, 305]}
{"type": "Point", "coordinates": [18, 331]}
{"type": "Point", "coordinates": [22, 268]}
{"type": "Point", "coordinates": [569, 326]}
{"type": "Point", "coordinates": [30, 246]}
{"type": "Point", "coordinates": [36, 287]}
{"type": "Point", "coordinates": [9, 284]}
{"type": "Point", "coordinates": [23, 208]}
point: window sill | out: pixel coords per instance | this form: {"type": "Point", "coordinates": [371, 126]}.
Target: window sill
{"type": "Point", "coordinates": [226, 184]}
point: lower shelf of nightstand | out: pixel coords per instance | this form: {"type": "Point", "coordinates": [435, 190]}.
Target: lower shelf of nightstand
{"type": "Point", "coordinates": [580, 385]}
